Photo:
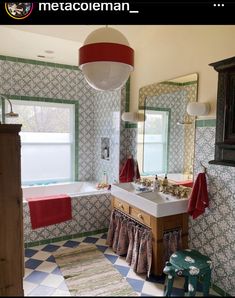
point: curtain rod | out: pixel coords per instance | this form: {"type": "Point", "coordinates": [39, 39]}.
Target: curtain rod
{"type": "Point", "coordinates": [131, 218]}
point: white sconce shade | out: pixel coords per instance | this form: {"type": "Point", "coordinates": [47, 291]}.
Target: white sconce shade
{"type": "Point", "coordinates": [106, 59]}
{"type": "Point", "coordinates": [198, 108]}
{"type": "Point", "coordinates": [133, 117]}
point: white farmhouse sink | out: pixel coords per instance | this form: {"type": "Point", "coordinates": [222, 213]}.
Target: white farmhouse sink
{"type": "Point", "coordinates": [157, 204]}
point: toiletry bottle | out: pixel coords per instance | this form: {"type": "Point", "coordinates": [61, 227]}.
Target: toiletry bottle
{"type": "Point", "coordinates": [156, 184]}
{"type": "Point", "coordinates": [165, 181]}
{"type": "Point", "coordinates": [106, 153]}
{"type": "Point", "coordinates": [105, 178]}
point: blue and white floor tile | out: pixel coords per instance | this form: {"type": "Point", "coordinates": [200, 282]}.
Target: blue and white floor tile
{"type": "Point", "coordinates": [43, 277]}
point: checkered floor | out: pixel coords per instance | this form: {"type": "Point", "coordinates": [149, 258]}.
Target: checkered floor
{"type": "Point", "coordinates": [43, 276]}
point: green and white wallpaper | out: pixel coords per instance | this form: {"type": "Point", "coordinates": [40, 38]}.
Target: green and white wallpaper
{"type": "Point", "coordinates": [174, 97]}
{"type": "Point", "coordinates": [213, 233]}
{"type": "Point", "coordinates": [30, 78]}
{"type": "Point", "coordinates": [99, 112]}
{"type": "Point", "coordinates": [99, 116]}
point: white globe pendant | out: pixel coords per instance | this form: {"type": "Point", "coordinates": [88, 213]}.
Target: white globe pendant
{"type": "Point", "coordinates": [106, 59]}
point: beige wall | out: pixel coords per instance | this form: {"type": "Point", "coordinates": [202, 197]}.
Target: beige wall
{"type": "Point", "coordinates": [165, 52]}
{"type": "Point", "coordinates": [161, 52]}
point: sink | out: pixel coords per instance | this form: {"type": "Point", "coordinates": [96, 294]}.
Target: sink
{"type": "Point", "coordinates": [157, 204]}
{"type": "Point", "coordinates": [158, 197]}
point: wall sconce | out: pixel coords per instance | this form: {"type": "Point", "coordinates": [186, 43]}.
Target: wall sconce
{"type": "Point", "coordinates": [198, 108]}
{"type": "Point", "coordinates": [133, 117]}
{"type": "Point", "coordinates": [106, 59]}
{"type": "Point", "coordinates": [11, 113]}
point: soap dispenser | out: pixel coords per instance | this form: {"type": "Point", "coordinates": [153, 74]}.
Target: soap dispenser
{"type": "Point", "coordinates": [165, 181]}
{"type": "Point", "coordinates": [156, 184]}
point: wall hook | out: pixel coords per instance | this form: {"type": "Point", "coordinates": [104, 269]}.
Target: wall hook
{"type": "Point", "coordinates": [204, 168]}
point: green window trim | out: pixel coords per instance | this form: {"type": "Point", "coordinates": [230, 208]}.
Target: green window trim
{"type": "Point", "coordinates": [168, 132]}
{"type": "Point", "coordinates": [75, 163]}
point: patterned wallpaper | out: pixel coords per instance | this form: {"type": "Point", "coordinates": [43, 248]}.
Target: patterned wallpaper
{"type": "Point", "coordinates": [214, 232]}
{"type": "Point", "coordinates": [23, 78]}
{"type": "Point", "coordinates": [128, 132]}
{"type": "Point", "coordinates": [99, 112]}
{"type": "Point", "coordinates": [189, 131]}
{"type": "Point", "coordinates": [107, 124]}
{"type": "Point", "coordinates": [108, 107]}
{"type": "Point", "coordinates": [181, 139]}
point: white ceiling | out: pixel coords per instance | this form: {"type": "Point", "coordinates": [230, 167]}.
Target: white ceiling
{"type": "Point", "coordinates": [29, 41]}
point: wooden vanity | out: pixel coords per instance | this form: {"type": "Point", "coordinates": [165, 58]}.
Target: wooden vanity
{"type": "Point", "coordinates": [158, 225]}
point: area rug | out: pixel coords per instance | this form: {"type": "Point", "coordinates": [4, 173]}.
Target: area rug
{"type": "Point", "coordinates": [87, 272]}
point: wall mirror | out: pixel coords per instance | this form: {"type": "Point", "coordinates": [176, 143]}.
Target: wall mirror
{"type": "Point", "coordinates": [165, 142]}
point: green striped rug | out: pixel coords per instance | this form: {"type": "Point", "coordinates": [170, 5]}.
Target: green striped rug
{"type": "Point", "coordinates": [88, 273]}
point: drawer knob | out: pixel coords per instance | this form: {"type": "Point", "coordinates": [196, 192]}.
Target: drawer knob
{"type": "Point", "coordinates": [140, 216]}
{"type": "Point", "coordinates": [120, 206]}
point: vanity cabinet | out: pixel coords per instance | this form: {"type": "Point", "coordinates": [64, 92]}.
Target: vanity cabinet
{"type": "Point", "coordinates": [11, 213]}
{"type": "Point", "coordinates": [225, 113]}
{"type": "Point", "coordinates": [158, 225]}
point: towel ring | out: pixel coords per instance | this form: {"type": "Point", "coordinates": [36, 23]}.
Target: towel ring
{"type": "Point", "coordinates": [204, 168]}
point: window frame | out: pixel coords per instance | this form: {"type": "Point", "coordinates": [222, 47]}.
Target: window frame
{"type": "Point", "coordinates": [74, 147]}
{"type": "Point", "coordinates": [167, 144]}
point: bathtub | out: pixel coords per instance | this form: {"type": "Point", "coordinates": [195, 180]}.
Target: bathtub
{"type": "Point", "coordinates": [91, 210]}
{"type": "Point", "coordinates": [73, 189]}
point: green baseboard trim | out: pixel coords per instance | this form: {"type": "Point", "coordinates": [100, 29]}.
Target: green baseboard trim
{"type": "Point", "coordinates": [38, 62]}
{"type": "Point", "coordinates": [130, 125]}
{"type": "Point", "coordinates": [177, 83]}
{"type": "Point", "coordinates": [63, 238]}
{"type": "Point", "coordinates": [206, 123]}
{"type": "Point", "coordinates": [219, 291]}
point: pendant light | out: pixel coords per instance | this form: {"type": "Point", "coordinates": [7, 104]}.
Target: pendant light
{"type": "Point", "coordinates": [106, 59]}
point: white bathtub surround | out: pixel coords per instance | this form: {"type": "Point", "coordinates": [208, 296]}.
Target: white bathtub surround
{"type": "Point", "coordinates": [91, 209]}
{"type": "Point", "coordinates": [72, 189]}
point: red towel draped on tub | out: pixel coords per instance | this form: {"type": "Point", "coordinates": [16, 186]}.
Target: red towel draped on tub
{"type": "Point", "coordinates": [49, 210]}
{"type": "Point", "coordinates": [198, 200]}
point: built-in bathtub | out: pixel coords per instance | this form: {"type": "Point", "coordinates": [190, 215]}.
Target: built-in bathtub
{"type": "Point", "coordinates": [73, 189]}
{"type": "Point", "coordinates": [91, 209]}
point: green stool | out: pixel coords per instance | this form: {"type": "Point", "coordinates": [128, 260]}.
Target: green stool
{"type": "Point", "coordinates": [192, 265]}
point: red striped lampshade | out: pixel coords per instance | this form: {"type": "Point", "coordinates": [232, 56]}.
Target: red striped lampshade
{"type": "Point", "coordinates": [106, 59]}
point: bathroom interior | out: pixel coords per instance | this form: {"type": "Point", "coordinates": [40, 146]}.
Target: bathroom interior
{"type": "Point", "coordinates": [166, 118]}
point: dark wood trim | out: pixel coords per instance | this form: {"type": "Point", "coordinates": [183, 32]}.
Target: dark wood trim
{"type": "Point", "coordinates": [225, 113]}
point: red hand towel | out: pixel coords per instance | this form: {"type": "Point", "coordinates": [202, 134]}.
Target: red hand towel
{"type": "Point", "coordinates": [198, 199]}
{"type": "Point", "coordinates": [128, 171]}
{"type": "Point", "coordinates": [45, 211]}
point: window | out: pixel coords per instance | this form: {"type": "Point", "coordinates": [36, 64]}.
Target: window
{"type": "Point", "coordinates": [47, 140]}
{"type": "Point", "coordinates": [152, 142]}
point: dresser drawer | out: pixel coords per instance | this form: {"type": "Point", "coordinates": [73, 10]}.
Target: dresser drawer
{"type": "Point", "coordinates": [140, 216]}
{"type": "Point", "coordinates": [119, 204]}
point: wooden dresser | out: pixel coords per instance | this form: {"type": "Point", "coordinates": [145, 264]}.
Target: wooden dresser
{"type": "Point", "coordinates": [11, 213]}
{"type": "Point", "coordinates": [158, 226]}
